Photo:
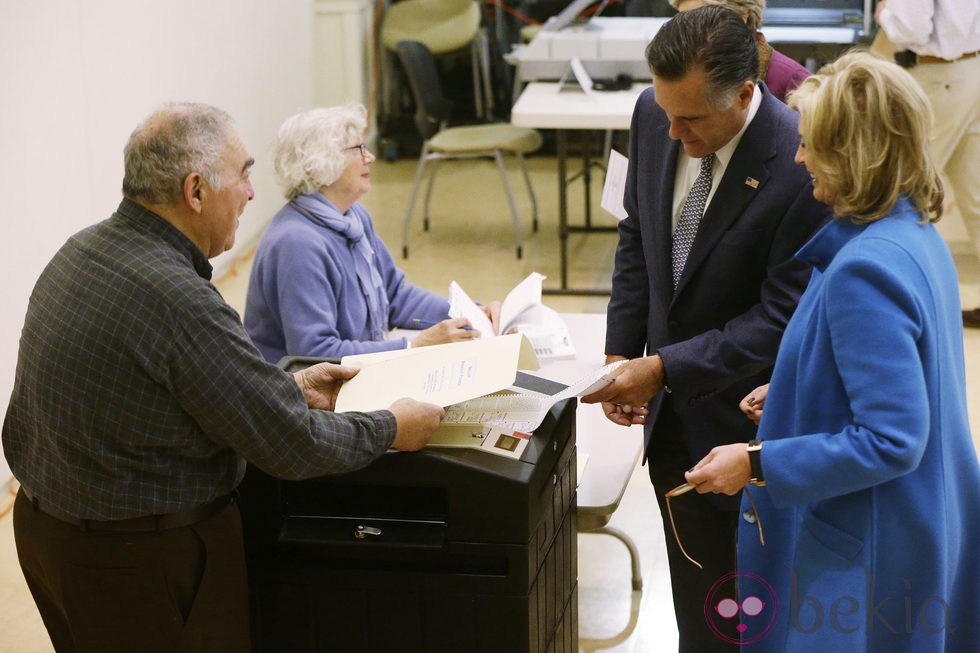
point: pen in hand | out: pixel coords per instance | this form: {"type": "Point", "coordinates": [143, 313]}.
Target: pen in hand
{"type": "Point", "coordinates": [425, 324]}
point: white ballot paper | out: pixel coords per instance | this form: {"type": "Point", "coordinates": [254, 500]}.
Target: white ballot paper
{"type": "Point", "coordinates": [502, 423]}
{"type": "Point", "coordinates": [615, 186]}
{"type": "Point", "coordinates": [521, 311]}
{"type": "Point", "coordinates": [522, 410]}
{"type": "Point", "coordinates": [440, 374]}
{"type": "Point", "coordinates": [523, 296]}
{"type": "Point", "coordinates": [582, 76]}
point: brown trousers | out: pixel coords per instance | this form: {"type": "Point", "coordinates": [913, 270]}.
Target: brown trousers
{"type": "Point", "coordinates": [177, 590]}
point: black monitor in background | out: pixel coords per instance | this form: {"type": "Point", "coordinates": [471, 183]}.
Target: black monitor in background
{"type": "Point", "coordinates": [570, 13]}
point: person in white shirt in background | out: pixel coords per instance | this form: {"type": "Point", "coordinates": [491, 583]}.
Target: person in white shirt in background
{"type": "Point", "coordinates": [939, 41]}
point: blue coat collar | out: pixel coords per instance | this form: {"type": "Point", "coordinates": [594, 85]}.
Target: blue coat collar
{"type": "Point", "coordinates": [821, 249]}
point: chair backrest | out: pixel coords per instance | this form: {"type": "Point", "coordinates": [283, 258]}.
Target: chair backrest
{"type": "Point", "coordinates": [442, 25]}
{"type": "Point", "coordinates": [432, 108]}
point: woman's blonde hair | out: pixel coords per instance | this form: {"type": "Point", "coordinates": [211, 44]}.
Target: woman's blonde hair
{"type": "Point", "coordinates": [309, 149]}
{"type": "Point", "coordinates": [865, 126]}
{"type": "Point", "coordinates": [750, 10]}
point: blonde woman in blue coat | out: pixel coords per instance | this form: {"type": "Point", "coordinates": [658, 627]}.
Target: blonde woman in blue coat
{"type": "Point", "coordinates": [864, 480]}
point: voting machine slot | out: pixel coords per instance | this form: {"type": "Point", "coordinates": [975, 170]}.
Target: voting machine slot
{"type": "Point", "coordinates": [350, 500]}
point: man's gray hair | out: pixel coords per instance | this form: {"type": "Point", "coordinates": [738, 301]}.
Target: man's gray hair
{"type": "Point", "coordinates": [175, 140]}
{"type": "Point", "coordinates": [713, 39]}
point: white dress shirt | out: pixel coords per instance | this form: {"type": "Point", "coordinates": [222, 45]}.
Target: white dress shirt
{"type": "Point", "coordinates": [942, 28]}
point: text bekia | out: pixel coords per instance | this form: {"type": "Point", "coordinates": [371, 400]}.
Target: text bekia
{"type": "Point", "coordinates": [898, 612]}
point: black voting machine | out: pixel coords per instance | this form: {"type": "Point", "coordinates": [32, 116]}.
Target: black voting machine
{"type": "Point", "coordinates": [444, 550]}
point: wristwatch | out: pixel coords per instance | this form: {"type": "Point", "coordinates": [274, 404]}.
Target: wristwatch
{"type": "Point", "coordinates": [755, 463]}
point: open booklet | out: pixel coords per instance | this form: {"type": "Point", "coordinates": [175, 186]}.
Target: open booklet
{"type": "Point", "coordinates": [474, 380]}
{"type": "Point", "coordinates": [521, 311]}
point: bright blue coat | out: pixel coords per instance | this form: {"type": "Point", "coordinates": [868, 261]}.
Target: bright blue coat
{"type": "Point", "coordinates": [871, 512]}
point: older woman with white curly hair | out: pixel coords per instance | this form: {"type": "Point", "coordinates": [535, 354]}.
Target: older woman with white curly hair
{"type": "Point", "coordinates": [322, 282]}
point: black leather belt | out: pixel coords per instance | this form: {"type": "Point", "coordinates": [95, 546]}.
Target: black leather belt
{"type": "Point", "coordinates": [146, 523]}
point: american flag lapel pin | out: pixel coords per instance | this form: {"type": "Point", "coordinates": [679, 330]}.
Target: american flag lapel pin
{"type": "Point", "coordinates": [751, 182]}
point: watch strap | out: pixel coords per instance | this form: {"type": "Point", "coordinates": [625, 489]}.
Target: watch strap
{"type": "Point", "coordinates": [755, 462]}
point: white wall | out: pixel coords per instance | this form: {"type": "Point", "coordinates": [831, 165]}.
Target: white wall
{"type": "Point", "coordinates": [342, 57]}
{"type": "Point", "coordinates": [76, 76]}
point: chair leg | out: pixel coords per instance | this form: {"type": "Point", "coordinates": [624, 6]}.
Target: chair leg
{"type": "Point", "coordinates": [388, 91]}
{"type": "Point", "coordinates": [515, 92]}
{"type": "Point", "coordinates": [476, 57]}
{"type": "Point", "coordinates": [530, 190]}
{"type": "Point", "coordinates": [428, 191]}
{"type": "Point", "coordinates": [419, 172]}
{"type": "Point", "coordinates": [510, 199]}
{"type": "Point", "coordinates": [485, 76]}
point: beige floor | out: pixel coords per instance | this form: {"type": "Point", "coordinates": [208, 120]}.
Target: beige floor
{"type": "Point", "coordinates": [471, 241]}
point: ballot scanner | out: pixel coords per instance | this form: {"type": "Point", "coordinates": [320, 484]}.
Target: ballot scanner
{"type": "Point", "coordinates": [441, 550]}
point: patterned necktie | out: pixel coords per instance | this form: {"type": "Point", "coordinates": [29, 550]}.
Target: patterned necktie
{"type": "Point", "coordinates": [687, 225]}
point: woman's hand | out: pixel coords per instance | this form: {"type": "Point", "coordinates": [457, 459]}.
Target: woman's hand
{"type": "Point", "coordinates": [725, 469]}
{"type": "Point", "coordinates": [753, 403]}
{"type": "Point", "coordinates": [451, 330]}
{"type": "Point", "coordinates": [492, 311]}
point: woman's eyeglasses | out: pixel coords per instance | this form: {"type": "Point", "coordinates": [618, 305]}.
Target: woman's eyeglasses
{"type": "Point", "coordinates": [362, 147]}
{"type": "Point", "coordinates": [684, 489]}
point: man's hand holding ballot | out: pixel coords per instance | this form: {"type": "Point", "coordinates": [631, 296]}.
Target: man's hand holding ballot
{"type": "Point", "coordinates": [624, 401]}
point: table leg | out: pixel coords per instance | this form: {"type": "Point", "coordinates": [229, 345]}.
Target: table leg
{"type": "Point", "coordinates": [561, 143]}
{"type": "Point", "coordinates": [587, 175]}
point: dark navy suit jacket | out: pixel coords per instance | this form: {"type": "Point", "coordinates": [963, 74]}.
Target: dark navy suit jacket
{"type": "Point", "coordinates": [719, 333]}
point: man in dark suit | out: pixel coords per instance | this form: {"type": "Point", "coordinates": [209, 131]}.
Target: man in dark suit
{"type": "Point", "coordinates": [705, 281]}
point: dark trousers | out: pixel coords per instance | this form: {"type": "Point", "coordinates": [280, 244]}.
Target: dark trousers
{"type": "Point", "coordinates": [709, 536]}
{"type": "Point", "coordinates": [178, 590]}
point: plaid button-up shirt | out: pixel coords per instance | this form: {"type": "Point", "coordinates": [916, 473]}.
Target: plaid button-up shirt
{"type": "Point", "coordinates": [138, 392]}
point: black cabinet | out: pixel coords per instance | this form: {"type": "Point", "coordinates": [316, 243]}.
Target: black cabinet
{"type": "Point", "coordinates": [442, 550]}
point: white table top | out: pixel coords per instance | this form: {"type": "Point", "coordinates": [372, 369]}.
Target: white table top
{"type": "Point", "coordinates": [612, 450]}
{"type": "Point", "coordinates": [550, 105]}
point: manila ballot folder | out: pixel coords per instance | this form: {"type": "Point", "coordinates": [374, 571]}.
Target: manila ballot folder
{"type": "Point", "coordinates": [445, 375]}
{"type": "Point", "coordinates": [440, 374]}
